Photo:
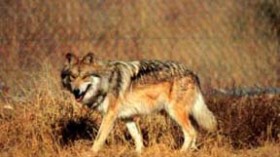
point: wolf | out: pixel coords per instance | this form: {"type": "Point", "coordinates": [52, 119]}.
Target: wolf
{"type": "Point", "coordinates": [125, 89]}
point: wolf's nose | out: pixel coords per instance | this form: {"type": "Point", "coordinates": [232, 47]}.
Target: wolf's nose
{"type": "Point", "coordinates": [76, 92]}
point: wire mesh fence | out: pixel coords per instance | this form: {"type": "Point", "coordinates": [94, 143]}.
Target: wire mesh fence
{"type": "Point", "coordinates": [226, 42]}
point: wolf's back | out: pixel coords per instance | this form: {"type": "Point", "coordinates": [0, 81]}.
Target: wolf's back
{"type": "Point", "coordinates": [152, 71]}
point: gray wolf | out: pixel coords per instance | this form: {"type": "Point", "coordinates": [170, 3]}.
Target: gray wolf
{"type": "Point", "coordinates": [124, 89]}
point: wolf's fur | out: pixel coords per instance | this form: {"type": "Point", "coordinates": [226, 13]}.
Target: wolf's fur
{"type": "Point", "coordinates": [123, 90]}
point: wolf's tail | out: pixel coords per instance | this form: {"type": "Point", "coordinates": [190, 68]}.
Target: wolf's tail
{"type": "Point", "coordinates": [203, 116]}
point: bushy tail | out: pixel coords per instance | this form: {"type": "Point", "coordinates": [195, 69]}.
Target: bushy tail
{"type": "Point", "coordinates": [203, 116]}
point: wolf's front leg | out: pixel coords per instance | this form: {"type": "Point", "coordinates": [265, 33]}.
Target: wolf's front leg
{"type": "Point", "coordinates": [135, 132]}
{"type": "Point", "coordinates": [104, 130]}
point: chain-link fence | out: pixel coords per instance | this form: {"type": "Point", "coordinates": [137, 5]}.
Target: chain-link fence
{"type": "Point", "coordinates": [227, 43]}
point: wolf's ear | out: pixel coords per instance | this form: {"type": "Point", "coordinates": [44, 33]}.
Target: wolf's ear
{"type": "Point", "coordinates": [89, 58]}
{"type": "Point", "coordinates": [71, 58]}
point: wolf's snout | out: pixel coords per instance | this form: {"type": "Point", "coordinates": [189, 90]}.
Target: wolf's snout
{"type": "Point", "coordinates": [76, 93]}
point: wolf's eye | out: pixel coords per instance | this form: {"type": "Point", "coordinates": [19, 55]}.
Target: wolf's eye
{"type": "Point", "coordinates": [85, 77]}
{"type": "Point", "coordinates": [72, 77]}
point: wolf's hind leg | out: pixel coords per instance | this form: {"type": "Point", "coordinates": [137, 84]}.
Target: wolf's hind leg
{"type": "Point", "coordinates": [182, 118]}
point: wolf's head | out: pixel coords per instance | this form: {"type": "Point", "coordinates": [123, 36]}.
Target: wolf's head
{"type": "Point", "coordinates": [80, 76]}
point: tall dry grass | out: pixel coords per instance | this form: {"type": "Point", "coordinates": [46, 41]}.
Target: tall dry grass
{"type": "Point", "coordinates": [46, 121]}
{"type": "Point", "coordinates": [228, 43]}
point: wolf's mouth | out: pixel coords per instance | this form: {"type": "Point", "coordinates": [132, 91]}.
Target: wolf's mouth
{"type": "Point", "coordinates": [80, 97]}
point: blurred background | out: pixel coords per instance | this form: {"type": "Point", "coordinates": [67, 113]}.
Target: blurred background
{"type": "Point", "coordinates": [233, 43]}
{"type": "Point", "coordinates": [233, 46]}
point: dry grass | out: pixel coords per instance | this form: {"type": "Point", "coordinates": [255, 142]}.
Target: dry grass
{"type": "Point", "coordinates": [228, 43]}
{"type": "Point", "coordinates": [46, 121]}
{"type": "Point", "coordinates": [47, 125]}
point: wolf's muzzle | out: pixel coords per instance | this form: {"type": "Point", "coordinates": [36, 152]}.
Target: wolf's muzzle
{"type": "Point", "coordinates": [76, 93]}
{"type": "Point", "coordinates": [79, 94]}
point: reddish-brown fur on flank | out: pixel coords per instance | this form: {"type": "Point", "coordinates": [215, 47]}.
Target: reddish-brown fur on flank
{"type": "Point", "coordinates": [181, 92]}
